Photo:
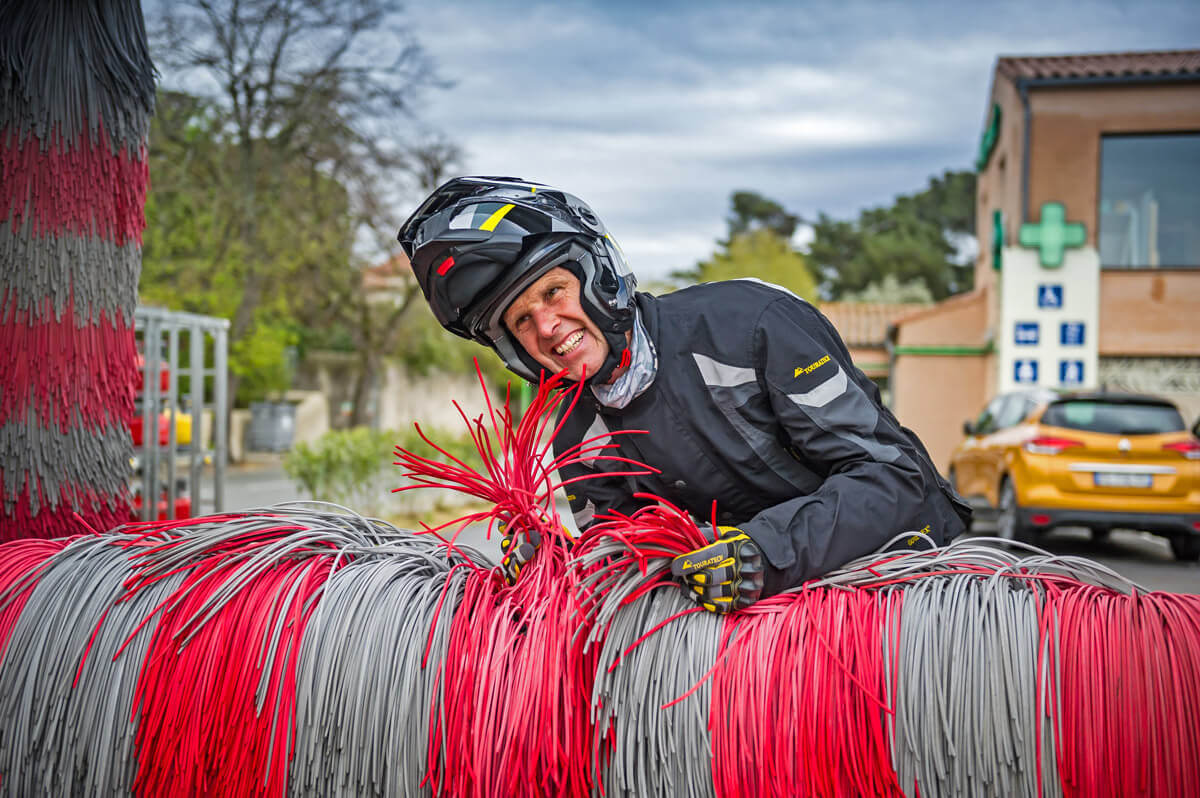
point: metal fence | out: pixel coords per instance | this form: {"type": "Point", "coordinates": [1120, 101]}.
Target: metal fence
{"type": "Point", "coordinates": [162, 336]}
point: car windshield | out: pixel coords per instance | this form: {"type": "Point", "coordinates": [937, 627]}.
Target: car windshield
{"type": "Point", "coordinates": [1115, 418]}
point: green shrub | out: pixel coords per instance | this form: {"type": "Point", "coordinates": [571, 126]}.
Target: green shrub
{"type": "Point", "coordinates": [458, 444]}
{"type": "Point", "coordinates": [349, 467]}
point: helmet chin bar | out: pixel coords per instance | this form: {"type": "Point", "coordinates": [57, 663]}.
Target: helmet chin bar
{"type": "Point", "coordinates": [616, 347]}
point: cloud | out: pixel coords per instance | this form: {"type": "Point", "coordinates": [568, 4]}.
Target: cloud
{"type": "Point", "coordinates": [655, 114]}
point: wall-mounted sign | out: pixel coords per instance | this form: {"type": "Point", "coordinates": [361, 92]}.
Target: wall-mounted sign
{"type": "Point", "coordinates": [1046, 320]}
{"type": "Point", "coordinates": [1070, 373]}
{"type": "Point", "coordinates": [1070, 333]}
{"type": "Point", "coordinates": [991, 136]}
{"type": "Point", "coordinates": [1052, 235]}
{"type": "Point", "coordinates": [1025, 372]}
{"type": "Point", "coordinates": [1025, 333]}
{"type": "Point", "coordinates": [1050, 296]}
{"type": "Point", "coordinates": [997, 239]}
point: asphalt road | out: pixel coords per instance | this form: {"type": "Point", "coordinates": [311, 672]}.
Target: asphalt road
{"type": "Point", "coordinates": [262, 482]}
{"type": "Point", "coordinates": [1138, 556]}
{"type": "Point", "coordinates": [258, 484]}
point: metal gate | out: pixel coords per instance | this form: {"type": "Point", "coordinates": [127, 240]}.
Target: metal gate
{"type": "Point", "coordinates": [184, 378]}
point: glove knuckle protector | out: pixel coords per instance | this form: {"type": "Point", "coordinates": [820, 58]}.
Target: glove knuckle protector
{"type": "Point", "coordinates": [519, 544]}
{"type": "Point", "coordinates": [725, 575]}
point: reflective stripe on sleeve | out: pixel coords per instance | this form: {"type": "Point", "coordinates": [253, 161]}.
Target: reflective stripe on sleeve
{"type": "Point", "coordinates": [824, 393]}
{"type": "Point", "coordinates": [853, 418]}
{"type": "Point", "coordinates": [585, 514]}
{"type": "Point", "coordinates": [732, 387]}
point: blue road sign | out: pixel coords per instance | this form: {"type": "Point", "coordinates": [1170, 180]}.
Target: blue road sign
{"type": "Point", "coordinates": [1070, 333]}
{"type": "Point", "coordinates": [1025, 333]}
{"type": "Point", "coordinates": [1070, 372]}
{"type": "Point", "coordinates": [1050, 295]}
{"type": "Point", "coordinates": [1025, 371]}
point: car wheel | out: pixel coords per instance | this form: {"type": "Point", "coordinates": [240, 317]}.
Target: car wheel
{"type": "Point", "coordinates": [1008, 522]}
{"type": "Point", "coordinates": [1186, 548]}
{"type": "Point", "coordinates": [1100, 533]}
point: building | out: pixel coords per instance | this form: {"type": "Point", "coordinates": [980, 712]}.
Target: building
{"type": "Point", "coordinates": [1088, 216]}
{"type": "Point", "coordinates": [863, 327]}
{"type": "Point", "coordinates": [395, 398]}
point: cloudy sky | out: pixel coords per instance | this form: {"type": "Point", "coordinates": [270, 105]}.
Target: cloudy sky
{"type": "Point", "coordinates": [655, 112]}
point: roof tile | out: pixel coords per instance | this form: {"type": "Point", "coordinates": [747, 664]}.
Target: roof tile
{"type": "Point", "coordinates": [865, 323]}
{"type": "Point", "coordinates": [1094, 65]}
{"type": "Point", "coordinates": [383, 276]}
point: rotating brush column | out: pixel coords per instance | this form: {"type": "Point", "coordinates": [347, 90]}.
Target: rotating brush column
{"type": "Point", "coordinates": [76, 94]}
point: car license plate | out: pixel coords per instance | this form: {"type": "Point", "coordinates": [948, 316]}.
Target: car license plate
{"type": "Point", "coordinates": [1120, 480]}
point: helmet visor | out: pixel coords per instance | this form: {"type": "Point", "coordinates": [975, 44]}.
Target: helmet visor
{"type": "Point", "coordinates": [487, 320]}
{"type": "Point", "coordinates": [501, 218]}
{"type": "Point", "coordinates": [414, 230]}
{"type": "Point", "coordinates": [617, 257]}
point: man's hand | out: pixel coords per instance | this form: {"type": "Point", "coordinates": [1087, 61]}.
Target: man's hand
{"type": "Point", "coordinates": [518, 546]}
{"type": "Point", "coordinates": [723, 576]}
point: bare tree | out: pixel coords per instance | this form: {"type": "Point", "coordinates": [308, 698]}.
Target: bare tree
{"type": "Point", "coordinates": [375, 322]}
{"type": "Point", "coordinates": [432, 160]}
{"type": "Point", "coordinates": [322, 82]}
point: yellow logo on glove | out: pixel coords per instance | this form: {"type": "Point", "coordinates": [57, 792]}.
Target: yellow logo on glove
{"type": "Point", "coordinates": [711, 561]}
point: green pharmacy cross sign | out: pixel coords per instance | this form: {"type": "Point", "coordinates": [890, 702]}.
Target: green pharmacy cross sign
{"type": "Point", "coordinates": [1052, 235]}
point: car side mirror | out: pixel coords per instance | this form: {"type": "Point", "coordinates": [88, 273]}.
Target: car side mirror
{"type": "Point", "coordinates": [968, 428]}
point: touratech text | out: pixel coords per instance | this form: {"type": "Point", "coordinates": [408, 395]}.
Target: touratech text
{"type": "Point", "coordinates": [812, 367]}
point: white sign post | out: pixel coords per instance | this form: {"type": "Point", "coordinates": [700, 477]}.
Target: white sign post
{"type": "Point", "coordinates": [1049, 317]}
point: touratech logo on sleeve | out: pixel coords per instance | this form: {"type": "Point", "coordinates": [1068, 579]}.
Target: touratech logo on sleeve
{"type": "Point", "coordinates": [811, 367]}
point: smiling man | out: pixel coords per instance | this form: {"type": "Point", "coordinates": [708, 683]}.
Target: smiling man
{"type": "Point", "coordinates": [549, 323]}
{"type": "Point", "coordinates": [747, 393]}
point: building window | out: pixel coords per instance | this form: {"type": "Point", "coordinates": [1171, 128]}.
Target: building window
{"type": "Point", "coordinates": [1150, 201]}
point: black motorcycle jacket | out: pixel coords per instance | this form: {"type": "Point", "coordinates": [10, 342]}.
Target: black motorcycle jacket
{"type": "Point", "coordinates": [756, 404]}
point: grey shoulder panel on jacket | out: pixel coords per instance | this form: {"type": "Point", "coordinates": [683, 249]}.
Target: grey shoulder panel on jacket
{"type": "Point", "coordinates": [728, 311]}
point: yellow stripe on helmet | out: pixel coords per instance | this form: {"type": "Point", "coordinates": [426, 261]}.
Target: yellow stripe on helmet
{"type": "Point", "coordinates": [495, 218]}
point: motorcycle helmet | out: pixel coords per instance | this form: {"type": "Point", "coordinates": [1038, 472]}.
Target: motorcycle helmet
{"type": "Point", "coordinates": [476, 243]}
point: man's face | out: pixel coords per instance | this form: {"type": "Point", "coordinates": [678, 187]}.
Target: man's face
{"type": "Point", "coordinates": [549, 322]}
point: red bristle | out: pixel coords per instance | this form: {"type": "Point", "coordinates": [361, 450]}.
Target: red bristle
{"type": "Point", "coordinates": [51, 169]}
{"type": "Point", "coordinates": [200, 729]}
{"type": "Point", "coordinates": [53, 521]}
{"type": "Point", "coordinates": [21, 563]}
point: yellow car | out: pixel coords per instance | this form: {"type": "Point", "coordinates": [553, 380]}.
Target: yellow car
{"type": "Point", "coordinates": [1095, 460]}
